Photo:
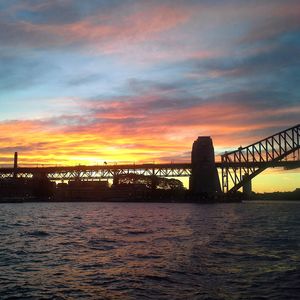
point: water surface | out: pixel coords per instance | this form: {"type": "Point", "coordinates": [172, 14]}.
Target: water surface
{"type": "Point", "coordinates": [244, 250]}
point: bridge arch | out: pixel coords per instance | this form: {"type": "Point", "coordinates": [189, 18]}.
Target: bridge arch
{"type": "Point", "coordinates": [239, 167]}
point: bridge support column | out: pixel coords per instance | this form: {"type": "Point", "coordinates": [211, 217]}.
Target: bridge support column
{"type": "Point", "coordinates": [204, 181]}
{"type": "Point", "coordinates": [247, 188]}
{"type": "Point", "coordinates": [116, 179]}
{"type": "Point", "coordinates": [154, 182]}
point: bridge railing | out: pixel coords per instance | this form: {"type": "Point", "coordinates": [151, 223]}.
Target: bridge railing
{"type": "Point", "coordinates": [266, 151]}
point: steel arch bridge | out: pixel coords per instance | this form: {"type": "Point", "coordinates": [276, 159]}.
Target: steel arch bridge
{"type": "Point", "coordinates": [243, 164]}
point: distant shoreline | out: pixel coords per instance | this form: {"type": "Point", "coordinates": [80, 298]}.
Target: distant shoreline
{"type": "Point", "coordinates": [239, 197]}
{"type": "Point", "coordinates": [274, 196]}
{"type": "Point", "coordinates": [120, 200]}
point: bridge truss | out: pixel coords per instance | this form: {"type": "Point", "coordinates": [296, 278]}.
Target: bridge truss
{"type": "Point", "coordinates": [100, 172]}
{"type": "Point", "coordinates": [240, 166]}
{"type": "Point", "coordinates": [109, 172]}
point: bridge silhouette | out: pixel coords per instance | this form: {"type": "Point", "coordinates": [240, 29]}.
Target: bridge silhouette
{"type": "Point", "coordinates": [237, 168]}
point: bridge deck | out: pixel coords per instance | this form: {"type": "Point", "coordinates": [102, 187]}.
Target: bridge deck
{"type": "Point", "coordinates": [108, 171]}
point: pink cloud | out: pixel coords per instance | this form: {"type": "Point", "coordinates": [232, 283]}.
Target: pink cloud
{"type": "Point", "coordinates": [114, 134]}
{"type": "Point", "coordinates": [110, 33]}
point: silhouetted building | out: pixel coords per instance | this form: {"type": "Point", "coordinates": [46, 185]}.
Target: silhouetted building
{"type": "Point", "coordinates": [81, 191]}
{"type": "Point", "coordinates": [36, 188]}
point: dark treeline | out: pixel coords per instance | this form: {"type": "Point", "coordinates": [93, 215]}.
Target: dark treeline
{"type": "Point", "coordinates": [294, 195]}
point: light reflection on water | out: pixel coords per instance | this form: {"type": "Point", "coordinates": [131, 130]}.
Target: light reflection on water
{"type": "Point", "coordinates": [149, 251]}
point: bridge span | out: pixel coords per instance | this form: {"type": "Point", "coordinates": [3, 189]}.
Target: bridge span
{"type": "Point", "coordinates": [84, 172]}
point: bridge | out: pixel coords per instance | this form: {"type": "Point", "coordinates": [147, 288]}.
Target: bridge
{"type": "Point", "coordinates": [266, 153]}
{"type": "Point", "coordinates": [236, 168]}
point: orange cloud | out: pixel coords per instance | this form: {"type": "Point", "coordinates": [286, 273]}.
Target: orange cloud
{"type": "Point", "coordinates": [136, 130]}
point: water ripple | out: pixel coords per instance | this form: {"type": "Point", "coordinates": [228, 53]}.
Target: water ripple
{"type": "Point", "coordinates": [149, 251]}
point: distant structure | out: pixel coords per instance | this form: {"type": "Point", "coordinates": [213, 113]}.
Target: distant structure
{"type": "Point", "coordinates": [204, 178]}
{"type": "Point", "coordinates": [15, 164]}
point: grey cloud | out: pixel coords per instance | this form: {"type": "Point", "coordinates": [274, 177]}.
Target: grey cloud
{"type": "Point", "coordinates": [25, 35]}
{"type": "Point", "coordinates": [25, 148]}
{"type": "Point", "coordinates": [32, 24]}
{"type": "Point", "coordinates": [57, 11]}
{"type": "Point", "coordinates": [272, 29]}
{"type": "Point", "coordinates": [21, 72]}
{"type": "Point", "coordinates": [256, 99]}
{"type": "Point", "coordinates": [17, 73]}
{"type": "Point", "coordinates": [258, 103]}
{"type": "Point", "coordinates": [84, 80]}
{"type": "Point", "coordinates": [280, 57]}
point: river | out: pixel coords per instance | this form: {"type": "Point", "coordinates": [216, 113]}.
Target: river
{"type": "Point", "coordinates": [248, 250]}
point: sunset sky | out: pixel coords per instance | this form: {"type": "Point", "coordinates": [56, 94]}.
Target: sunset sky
{"type": "Point", "coordinates": [83, 82]}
